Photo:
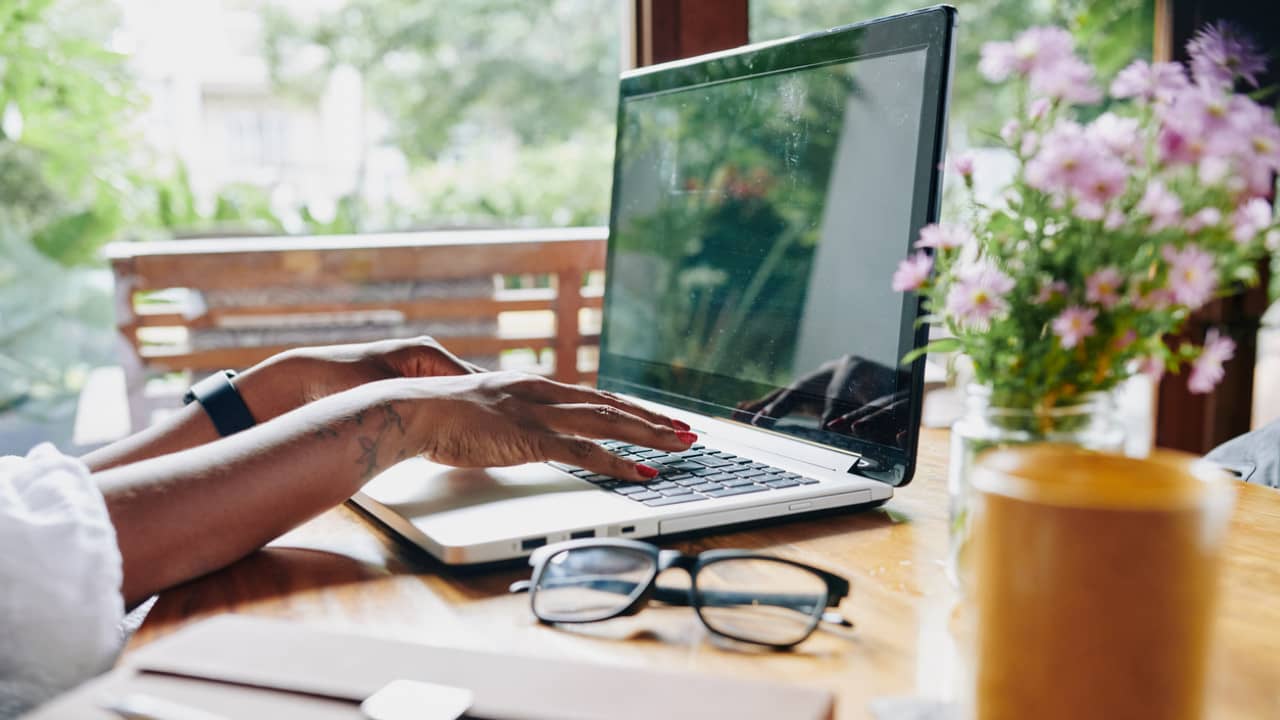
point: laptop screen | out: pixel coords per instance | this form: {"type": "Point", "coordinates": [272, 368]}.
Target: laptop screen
{"type": "Point", "coordinates": [756, 223]}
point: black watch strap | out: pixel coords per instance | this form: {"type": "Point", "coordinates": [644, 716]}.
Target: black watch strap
{"type": "Point", "coordinates": [222, 402]}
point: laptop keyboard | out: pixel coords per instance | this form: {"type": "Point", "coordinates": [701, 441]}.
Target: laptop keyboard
{"type": "Point", "coordinates": [699, 473]}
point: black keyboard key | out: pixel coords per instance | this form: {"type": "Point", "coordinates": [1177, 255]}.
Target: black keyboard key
{"type": "Point", "coordinates": [741, 490]}
{"type": "Point", "coordinates": [710, 461]}
{"type": "Point", "coordinates": [707, 487]}
{"type": "Point", "coordinates": [779, 483]}
{"type": "Point", "coordinates": [686, 466]}
{"type": "Point", "coordinates": [673, 500]}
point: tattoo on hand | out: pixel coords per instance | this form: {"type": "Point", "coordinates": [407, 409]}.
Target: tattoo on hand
{"type": "Point", "coordinates": [369, 446]}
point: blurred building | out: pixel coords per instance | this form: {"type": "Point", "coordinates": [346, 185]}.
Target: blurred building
{"type": "Point", "coordinates": [212, 106]}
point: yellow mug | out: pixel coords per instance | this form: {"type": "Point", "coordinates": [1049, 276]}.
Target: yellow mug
{"type": "Point", "coordinates": [1094, 579]}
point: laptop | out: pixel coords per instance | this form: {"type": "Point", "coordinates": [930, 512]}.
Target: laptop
{"type": "Point", "coordinates": [762, 198]}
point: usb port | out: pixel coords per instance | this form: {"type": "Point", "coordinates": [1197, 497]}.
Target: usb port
{"type": "Point", "coordinates": [628, 529]}
{"type": "Point", "coordinates": [582, 534]}
{"type": "Point", "coordinates": [533, 543]}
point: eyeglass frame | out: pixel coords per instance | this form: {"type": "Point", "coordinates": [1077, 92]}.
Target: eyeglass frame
{"type": "Point", "coordinates": [837, 588]}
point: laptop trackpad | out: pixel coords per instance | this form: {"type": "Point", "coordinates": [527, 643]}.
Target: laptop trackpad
{"type": "Point", "coordinates": [455, 506]}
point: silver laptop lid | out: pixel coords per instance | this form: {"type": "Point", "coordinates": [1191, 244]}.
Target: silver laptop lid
{"type": "Point", "coordinates": [762, 199]}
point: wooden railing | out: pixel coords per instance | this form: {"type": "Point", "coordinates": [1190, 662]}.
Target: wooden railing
{"type": "Point", "coordinates": [318, 284]}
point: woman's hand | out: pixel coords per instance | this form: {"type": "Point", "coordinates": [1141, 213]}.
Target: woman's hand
{"type": "Point", "coordinates": [302, 375]}
{"type": "Point", "coordinates": [504, 418]}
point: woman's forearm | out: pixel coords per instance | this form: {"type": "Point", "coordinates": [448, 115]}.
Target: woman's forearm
{"type": "Point", "coordinates": [190, 426]}
{"type": "Point", "coordinates": [221, 500]}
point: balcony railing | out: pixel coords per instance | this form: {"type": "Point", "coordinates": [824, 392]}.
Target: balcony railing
{"type": "Point", "coordinates": [203, 305]}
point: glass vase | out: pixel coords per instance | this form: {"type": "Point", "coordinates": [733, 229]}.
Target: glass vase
{"type": "Point", "coordinates": [1090, 423]}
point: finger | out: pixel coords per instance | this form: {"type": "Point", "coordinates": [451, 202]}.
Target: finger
{"type": "Point", "coordinates": [555, 393]}
{"type": "Point", "coordinates": [784, 405]}
{"type": "Point", "coordinates": [753, 406]}
{"type": "Point", "coordinates": [606, 421]}
{"type": "Point", "coordinates": [871, 408]}
{"type": "Point", "coordinates": [587, 455]}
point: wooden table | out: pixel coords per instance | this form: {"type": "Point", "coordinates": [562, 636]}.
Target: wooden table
{"type": "Point", "coordinates": [343, 572]}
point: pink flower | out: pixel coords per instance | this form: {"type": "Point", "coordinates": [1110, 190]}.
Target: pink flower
{"type": "Point", "coordinates": [1149, 82]}
{"type": "Point", "coordinates": [1152, 367]}
{"type": "Point", "coordinates": [912, 273]}
{"type": "Point", "coordinates": [1038, 109]}
{"type": "Point", "coordinates": [1071, 80]}
{"type": "Point", "coordinates": [1034, 49]}
{"type": "Point", "coordinates": [1204, 218]}
{"type": "Point", "coordinates": [1250, 219]}
{"type": "Point", "coordinates": [944, 237]}
{"type": "Point", "coordinates": [1103, 287]}
{"type": "Point", "coordinates": [978, 294]}
{"type": "Point", "coordinates": [1101, 182]}
{"type": "Point", "coordinates": [1222, 52]}
{"type": "Point", "coordinates": [1050, 291]}
{"type": "Point", "coordinates": [1117, 134]}
{"type": "Point", "coordinates": [963, 165]}
{"type": "Point", "coordinates": [1011, 132]}
{"type": "Point", "coordinates": [1192, 277]}
{"type": "Point", "coordinates": [1114, 220]}
{"type": "Point", "coordinates": [1207, 370]}
{"type": "Point", "coordinates": [998, 61]}
{"type": "Point", "coordinates": [1163, 207]}
{"type": "Point", "coordinates": [1073, 325]}
{"type": "Point", "coordinates": [1158, 299]}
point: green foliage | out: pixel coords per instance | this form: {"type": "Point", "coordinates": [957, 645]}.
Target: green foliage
{"type": "Point", "coordinates": [1110, 32]}
{"type": "Point", "coordinates": [69, 163]}
{"type": "Point", "coordinates": [541, 70]}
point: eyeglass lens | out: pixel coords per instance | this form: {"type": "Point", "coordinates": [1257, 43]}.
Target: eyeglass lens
{"type": "Point", "coordinates": [755, 599]}
{"type": "Point", "coordinates": [760, 600]}
{"type": "Point", "coordinates": [587, 584]}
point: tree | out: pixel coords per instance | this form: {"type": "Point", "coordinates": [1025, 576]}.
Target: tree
{"type": "Point", "coordinates": [440, 69]}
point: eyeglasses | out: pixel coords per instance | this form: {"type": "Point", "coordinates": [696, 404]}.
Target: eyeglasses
{"type": "Point", "coordinates": [737, 594]}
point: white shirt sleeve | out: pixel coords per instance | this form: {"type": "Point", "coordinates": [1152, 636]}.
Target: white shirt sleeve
{"type": "Point", "coordinates": [60, 573]}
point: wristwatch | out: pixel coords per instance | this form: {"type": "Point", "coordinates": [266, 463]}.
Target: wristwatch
{"type": "Point", "coordinates": [222, 402]}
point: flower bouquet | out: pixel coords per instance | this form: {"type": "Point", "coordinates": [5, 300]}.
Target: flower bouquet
{"type": "Point", "coordinates": [1112, 232]}
{"type": "Point", "coordinates": [1108, 237]}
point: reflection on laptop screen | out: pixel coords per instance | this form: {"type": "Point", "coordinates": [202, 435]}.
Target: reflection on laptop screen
{"type": "Point", "coordinates": [757, 222]}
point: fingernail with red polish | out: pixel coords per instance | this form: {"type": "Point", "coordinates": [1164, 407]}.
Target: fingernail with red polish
{"type": "Point", "coordinates": [687, 438]}
{"type": "Point", "coordinates": [646, 471]}
{"type": "Point", "coordinates": [680, 425]}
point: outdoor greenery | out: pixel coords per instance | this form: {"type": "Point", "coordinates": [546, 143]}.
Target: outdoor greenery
{"type": "Point", "coordinates": [504, 110]}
